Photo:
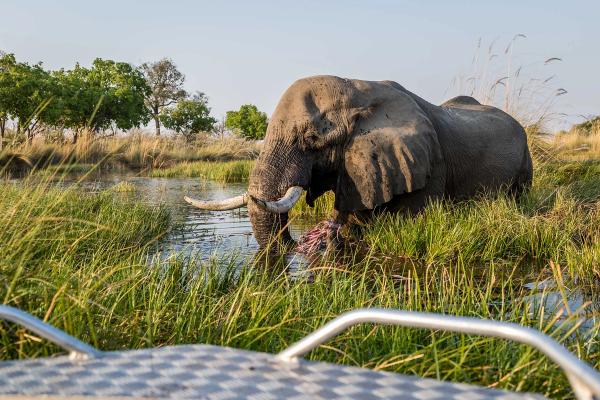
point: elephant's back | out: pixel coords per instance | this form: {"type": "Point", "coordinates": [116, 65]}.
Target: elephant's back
{"type": "Point", "coordinates": [461, 101]}
{"type": "Point", "coordinates": [483, 148]}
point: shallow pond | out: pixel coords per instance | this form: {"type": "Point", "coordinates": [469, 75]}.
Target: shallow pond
{"type": "Point", "coordinates": [200, 233]}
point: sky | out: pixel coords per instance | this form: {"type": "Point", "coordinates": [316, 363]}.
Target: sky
{"type": "Point", "coordinates": [241, 52]}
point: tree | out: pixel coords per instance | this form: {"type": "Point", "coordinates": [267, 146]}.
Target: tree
{"type": "Point", "coordinates": [219, 129]}
{"type": "Point", "coordinates": [248, 122]}
{"type": "Point", "coordinates": [124, 90]}
{"type": "Point", "coordinates": [189, 116]}
{"type": "Point", "coordinates": [7, 88]}
{"type": "Point", "coordinates": [166, 87]}
{"type": "Point", "coordinates": [27, 93]}
{"type": "Point", "coordinates": [79, 99]}
{"type": "Point", "coordinates": [109, 94]}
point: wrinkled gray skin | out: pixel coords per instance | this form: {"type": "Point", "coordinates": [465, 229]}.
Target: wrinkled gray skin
{"type": "Point", "coordinates": [380, 147]}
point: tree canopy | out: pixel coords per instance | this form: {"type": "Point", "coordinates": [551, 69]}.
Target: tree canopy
{"type": "Point", "coordinates": [247, 122]}
{"type": "Point", "coordinates": [109, 93]}
{"type": "Point", "coordinates": [189, 116]}
{"type": "Point", "coordinates": [26, 92]}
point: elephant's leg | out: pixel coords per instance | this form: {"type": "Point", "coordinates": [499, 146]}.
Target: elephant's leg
{"type": "Point", "coordinates": [335, 240]}
{"type": "Point", "coordinates": [525, 177]}
{"type": "Point", "coordinates": [340, 217]}
{"type": "Point", "coordinates": [349, 224]}
{"type": "Point", "coordinates": [414, 202]}
{"type": "Point", "coordinates": [411, 203]}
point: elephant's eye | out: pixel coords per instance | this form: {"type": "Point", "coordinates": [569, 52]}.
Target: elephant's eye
{"type": "Point", "coordinates": [311, 137]}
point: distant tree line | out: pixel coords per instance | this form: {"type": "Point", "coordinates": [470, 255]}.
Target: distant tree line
{"type": "Point", "coordinates": [109, 96]}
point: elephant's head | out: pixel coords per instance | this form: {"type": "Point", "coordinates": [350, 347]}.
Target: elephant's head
{"type": "Point", "coordinates": [366, 141]}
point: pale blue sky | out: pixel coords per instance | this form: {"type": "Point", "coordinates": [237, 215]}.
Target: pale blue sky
{"type": "Point", "coordinates": [250, 51]}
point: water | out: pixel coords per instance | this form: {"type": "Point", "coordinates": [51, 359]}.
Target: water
{"type": "Point", "coordinates": [200, 233]}
{"type": "Point", "coordinates": [567, 307]}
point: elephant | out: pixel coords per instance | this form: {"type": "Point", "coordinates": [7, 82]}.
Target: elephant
{"type": "Point", "coordinates": [378, 147]}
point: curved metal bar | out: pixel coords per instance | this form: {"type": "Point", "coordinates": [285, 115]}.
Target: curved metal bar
{"type": "Point", "coordinates": [584, 379]}
{"type": "Point", "coordinates": [77, 349]}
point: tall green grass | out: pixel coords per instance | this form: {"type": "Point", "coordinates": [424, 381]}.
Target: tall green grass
{"type": "Point", "coordinates": [225, 172]}
{"type": "Point", "coordinates": [54, 242]}
{"type": "Point", "coordinates": [129, 304]}
{"type": "Point", "coordinates": [82, 262]}
{"type": "Point", "coordinates": [321, 208]}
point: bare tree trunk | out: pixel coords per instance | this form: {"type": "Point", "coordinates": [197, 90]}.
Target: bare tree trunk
{"type": "Point", "coordinates": [156, 120]}
{"type": "Point", "coordinates": [2, 130]}
{"type": "Point", "coordinates": [30, 132]}
{"type": "Point", "coordinates": [157, 125]}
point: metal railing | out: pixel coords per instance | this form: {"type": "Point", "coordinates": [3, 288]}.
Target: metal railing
{"type": "Point", "coordinates": [584, 380]}
{"type": "Point", "coordinates": [77, 349]}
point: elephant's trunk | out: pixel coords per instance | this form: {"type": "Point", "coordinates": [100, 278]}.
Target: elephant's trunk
{"type": "Point", "coordinates": [275, 185]}
{"type": "Point", "coordinates": [268, 226]}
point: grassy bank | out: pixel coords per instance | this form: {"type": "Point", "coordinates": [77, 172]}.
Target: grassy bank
{"type": "Point", "coordinates": [136, 151]}
{"type": "Point", "coordinates": [578, 146]}
{"type": "Point", "coordinates": [80, 261]}
{"type": "Point", "coordinates": [225, 172]}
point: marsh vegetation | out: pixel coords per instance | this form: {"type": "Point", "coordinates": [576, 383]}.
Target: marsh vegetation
{"type": "Point", "coordinates": [86, 261]}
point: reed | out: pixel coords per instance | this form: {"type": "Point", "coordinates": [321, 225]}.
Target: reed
{"type": "Point", "coordinates": [135, 151]}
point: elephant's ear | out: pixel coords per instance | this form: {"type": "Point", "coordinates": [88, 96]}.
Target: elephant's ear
{"type": "Point", "coordinates": [391, 152]}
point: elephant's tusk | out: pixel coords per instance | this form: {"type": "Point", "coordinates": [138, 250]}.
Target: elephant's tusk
{"type": "Point", "coordinates": [282, 205]}
{"type": "Point", "coordinates": [219, 205]}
